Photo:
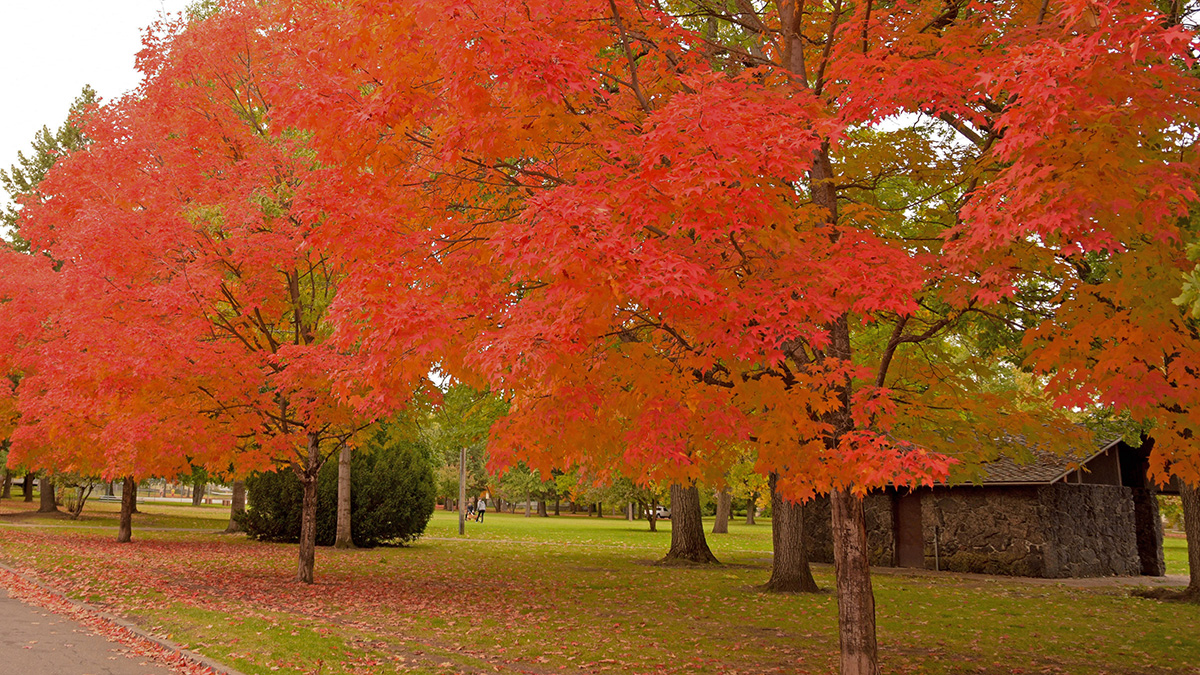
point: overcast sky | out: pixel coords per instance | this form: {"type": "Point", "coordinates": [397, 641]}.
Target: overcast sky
{"type": "Point", "coordinates": [49, 49]}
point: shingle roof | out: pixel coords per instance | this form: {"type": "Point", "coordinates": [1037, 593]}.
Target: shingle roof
{"type": "Point", "coordinates": [1044, 467]}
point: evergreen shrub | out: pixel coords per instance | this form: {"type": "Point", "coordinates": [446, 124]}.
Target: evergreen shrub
{"type": "Point", "coordinates": [392, 494]}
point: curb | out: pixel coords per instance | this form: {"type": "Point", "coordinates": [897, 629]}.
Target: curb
{"type": "Point", "coordinates": [198, 659]}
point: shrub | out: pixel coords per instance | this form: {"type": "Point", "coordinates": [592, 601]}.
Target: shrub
{"type": "Point", "coordinates": [274, 504]}
{"type": "Point", "coordinates": [392, 493]}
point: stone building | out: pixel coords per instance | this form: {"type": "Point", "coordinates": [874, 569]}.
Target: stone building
{"type": "Point", "coordinates": [1045, 518]}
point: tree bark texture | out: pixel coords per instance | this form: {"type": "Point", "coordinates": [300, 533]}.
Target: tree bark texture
{"type": "Point", "coordinates": [128, 501]}
{"type": "Point", "coordinates": [237, 507]}
{"type": "Point", "coordinates": [198, 488]}
{"type": "Point", "coordinates": [134, 490]}
{"type": "Point", "coordinates": [687, 528]}
{"type": "Point", "coordinates": [462, 491]}
{"type": "Point", "coordinates": [48, 503]}
{"type": "Point", "coordinates": [751, 507]}
{"type": "Point", "coordinates": [724, 507]}
{"type": "Point", "coordinates": [528, 498]}
{"type": "Point", "coordinates": [557, 504]}
{"type": "Point", "coordinates": [599, 509]}
{"type": "Point", "coordinates": [308, 511]}
{"type": "Point", "coordinates": [1190, 497]}
{"type": "Point", "coordinates": [27, 487]}
{"type": "Point", "coordinates": [6, 492]}
{"type": "Point", "coordinates": [790, 571]}
{"type": "Point", "coordinates": [342, 539]}
{"type": "Point", "coordinates": [856, 600]}
{"type": "Point", "coordinates": [542, 509]}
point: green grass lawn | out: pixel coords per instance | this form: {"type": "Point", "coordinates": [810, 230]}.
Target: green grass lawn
{"type": "Point", "coordinates": [607, 532]}
{"type": "Point", "coordinates": [575, 595]}
{"type": "Point", "coordinates": [105, 514]}
{"type": "Point", "coordinates": [1175, 552]}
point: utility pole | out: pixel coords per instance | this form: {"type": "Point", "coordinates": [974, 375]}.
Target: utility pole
{"type": "Point", "coordinates": [462, 491]}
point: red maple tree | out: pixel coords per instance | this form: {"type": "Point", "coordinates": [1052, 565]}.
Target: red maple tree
{"type": "Point", "coordinates": [697, 223]}
{"type": "Point", "coordinates": [186, 322]}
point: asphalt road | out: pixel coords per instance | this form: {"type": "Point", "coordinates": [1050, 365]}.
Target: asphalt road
{"type": "Point", "coordinates": [35, 641]}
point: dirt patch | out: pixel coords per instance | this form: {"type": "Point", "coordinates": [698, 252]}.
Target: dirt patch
{"type": "Point", "coordinates": [1188, 594]}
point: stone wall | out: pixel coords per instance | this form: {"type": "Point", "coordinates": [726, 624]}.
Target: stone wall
{"type": "Point", "coordinates": [990, 530]}
{"type": "Point", "coordinates": [1091, 530]}
{"type": "Point", "coordinates": [881, 541]}
{"type": "Point", "coordinates": [1055, 531]}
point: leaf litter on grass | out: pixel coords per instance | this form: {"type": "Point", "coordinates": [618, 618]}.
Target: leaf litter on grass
{"type": "Point", "coordinates": [496, 606]}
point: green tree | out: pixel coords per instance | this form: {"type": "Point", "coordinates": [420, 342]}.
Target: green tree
{"type": "Point", "coordinates": [462, 419]}
{"type": "Point", "coordinates": [21, 180]}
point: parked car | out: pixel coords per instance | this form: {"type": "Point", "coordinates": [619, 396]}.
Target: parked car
{"type": "Point", "coordinates": [662, 513]}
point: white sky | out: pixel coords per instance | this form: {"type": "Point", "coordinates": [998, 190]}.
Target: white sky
{"type": "Point", "coordinates": [49, 49]}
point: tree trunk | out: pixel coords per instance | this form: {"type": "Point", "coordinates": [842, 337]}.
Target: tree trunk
{"type": "Point", "coordinates": [343, 539]}
{"type": "Point", "coordinates": [751, 507]}
{"type": "Point", "coordinates": [687, 528]}
{"type": "Point", "coordinates": [462, 491]}
{"type": "Point", "coordinates": [556, 505]}
{"type": "Point", "coordinates": [108, 489]}
{"type": "Point", "coordinates": [724, 507]}
{"type": "Point", "coordinates": [128, 501]}
{"type": "Point", "coordinates": [238, 506]}
{"type": "Point", "coordinates": [6, 491]}
{"type": "Point", "coordinates": [1190, 498]}
{"type": "Point", "coordinates": [27, 487]}
{"type": "Point", "coordinates": [856, 600]}
{"type": "Point", "coordinates": [790, 572]}
{"type": "Point", "coordinates": [308, 513]}
{"type": "Point", "coordinates": [599, 509]}
{"type": "Point", "coordinates": [574, 507]}
{"type": "Point", "coordinates": [528, 498]}
{"type": "Point", "coordinates": [48, 504]}
{"type": "Point", "coordinates": [198, 488]}
{"type": "Point", "coordinates": [542, 509]}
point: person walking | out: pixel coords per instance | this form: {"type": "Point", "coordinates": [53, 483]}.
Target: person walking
{"type": "Point", "coordinates": [480, 508]}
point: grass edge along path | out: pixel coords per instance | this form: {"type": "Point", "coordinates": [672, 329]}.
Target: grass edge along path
{"type": "Point", "coordinates": [139, 641]}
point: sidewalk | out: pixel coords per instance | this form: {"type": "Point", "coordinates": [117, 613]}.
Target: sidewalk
{"type": "Point", "coordinates": [43, 633]}
{"type": "Point", "coordinates": [35, 641]}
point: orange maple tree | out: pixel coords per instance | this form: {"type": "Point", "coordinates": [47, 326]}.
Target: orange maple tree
{"type": "Point", "coordinates": [185, 321]}
{"type": "Point", "coordinates": [665, 229]}
{"type": "Point", "coordinates": [669, 226]}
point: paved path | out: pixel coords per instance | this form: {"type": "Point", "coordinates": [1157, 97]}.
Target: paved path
{"type": "Point", "coordinates": [35, 641]}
